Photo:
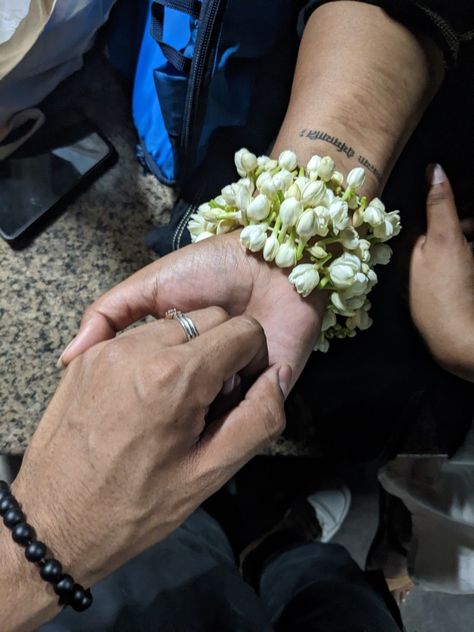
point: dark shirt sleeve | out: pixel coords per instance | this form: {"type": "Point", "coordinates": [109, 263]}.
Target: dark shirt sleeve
{"type": "Point", "coordinates": [449, 23]}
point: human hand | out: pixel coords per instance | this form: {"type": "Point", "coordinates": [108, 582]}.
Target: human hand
{"type": "Point", "coordinates": [442, 283]}
{"type": "Point", "coordinates": [123, 453]}
{"type": "Point", "coordinates": [215, 271]}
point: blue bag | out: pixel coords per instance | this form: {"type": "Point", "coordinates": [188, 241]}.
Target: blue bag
{"type": "Point", "coordinates": [211, 77]}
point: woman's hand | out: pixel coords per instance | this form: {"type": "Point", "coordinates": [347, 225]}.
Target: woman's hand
{"type": "Point", "coordinates": [215, 271]}
{"type": "Point", "coordinates": [442, 283]}
{"type": "Point", "coordinates": [123, 454]}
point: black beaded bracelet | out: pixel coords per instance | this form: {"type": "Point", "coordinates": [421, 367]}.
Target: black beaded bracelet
{"type": "Point", "coordinates": [69, 593]}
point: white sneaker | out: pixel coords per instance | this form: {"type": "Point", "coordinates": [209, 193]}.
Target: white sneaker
{"type": "Point", "coordinates": [331, 502]}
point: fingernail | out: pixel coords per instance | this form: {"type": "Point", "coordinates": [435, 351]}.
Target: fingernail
{"type": "Point", "coordinates": [231, 384]}
{"type": "Point", "coordinates": [438, 176]}
{"type": "Point", "coordinates": [60, 364]}
{"type": "Point", "coordinates": [284, 379]}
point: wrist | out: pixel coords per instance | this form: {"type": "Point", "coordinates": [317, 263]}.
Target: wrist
{"type": "Point", "coordinates": [27, 601]}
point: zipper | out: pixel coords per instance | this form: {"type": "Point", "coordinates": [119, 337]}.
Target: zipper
{"type": "Point", "coordinates": [205, 50]}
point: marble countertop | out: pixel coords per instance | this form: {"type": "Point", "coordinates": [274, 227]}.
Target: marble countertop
{"type": "Point", "coordinates": [94, 244]}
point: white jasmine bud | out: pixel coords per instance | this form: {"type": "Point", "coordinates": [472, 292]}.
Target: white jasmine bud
{"type": "Point", "coordinates": [373, 216]}
{"type": "Point", "coordinates": [318, 252]}
{"type": "Point", "coordinates": [228, 193]}
{"type": "Point", "coordinates": [337, 179]}
{"type": "Point", "coordinates": [266, 163]}
{"type": "Point", "coordinates": [254, 237]}
{"type": "Point", "coordinates": [245, 162]}
{"type": "Point", "coordinates": [286, 256]}
{"type": "Point", "coordinates": [287, 160]}
{"type": "Point", "coordinates": [361, 320]}
{"type": "Point", "coordinates": [389, 228]}
{"type": "Point", "coordinates": [322, 344]}
{"type": "Point", "coordinates": [363, 251]}
{"type": "Point", "coordinates": [322, 220]}
{"type": "Point", "coordinates": [313, 193]}
{"type": "Point", "coordinates": [313, 163]}
{"type": "Point", "coordinates": [204, 235]}
{"type": "Point", "coordinates": [339, 215]}
{"type": "Point", "coordinates": [248, 183]}
{"type": "Point", "coordinates": [356, 178]}
{"type": "Point", "coordinates": [325, 168]}
{"type": "Point", "coordinates": [259, 208]}
{"type": "Point", "coordinates": [307, 224]}
{"type": "Point", "coordinates": [378, 204]}
{"type": "Point", "coordinates": [305, 278]}
{"type": "Point", "coordinates": [290, 211]}
{"type": "Point", "coordinates": [271, 248]}
{"type": "Point", "coordinates": [266, 185]}
{"type": "Point", "coordinates": [343, 270]}
{"type": "Point", "coordinates": [293, 191]}
{"type": "Point", "coordinates": [242, 197]}
{"type": "Point", "coordinates": [380, 254]}
{"type": "Point", "coordinates": [197, 225]}
{"type": "Point", "coordinates": [329, 320]}
{"type": "Point", "coordinates": [283, 179]}
{"type": "Point", "coordinates": [225, 226]}
{"type": "Point", "coordinates": [349, 238]}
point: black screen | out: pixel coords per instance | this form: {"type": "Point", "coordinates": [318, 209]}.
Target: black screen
{"type": "Point", "coordinates": [30, 185]}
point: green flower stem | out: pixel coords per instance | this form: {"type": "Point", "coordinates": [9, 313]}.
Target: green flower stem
{"type": "Point", "coordinates": [277, 226]}
{"type": "Point", "coordinates": [300, 249]}
{"type": "Point", "coordinates": [282, 233]}
{"type": "Point", "coordinates": [301, 172]}
{"type": "Point", "coordinates": [348, 194]}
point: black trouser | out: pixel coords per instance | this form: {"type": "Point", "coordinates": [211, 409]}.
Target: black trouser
{"type": "Point", "coordinates": [190, 583]}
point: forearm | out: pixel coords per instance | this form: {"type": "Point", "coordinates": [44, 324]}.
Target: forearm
{"type": "Point", "coordinates": [364, 81]}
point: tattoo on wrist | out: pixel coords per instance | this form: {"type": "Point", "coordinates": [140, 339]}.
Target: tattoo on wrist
{"type": "Point", "coordinates": [342, 147]}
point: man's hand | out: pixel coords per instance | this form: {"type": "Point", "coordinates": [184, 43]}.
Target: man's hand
{"type": "Point", "coordinates": [123, 454]}
{"type": "Point", "coordinates": [215, 271]}
{"type": "Point", "coordinates": [442, 283]}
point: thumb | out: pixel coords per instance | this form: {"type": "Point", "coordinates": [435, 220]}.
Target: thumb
{"type": "Point", "coordinates": [232, 441]}
{"type": "Point", "coordinates": [442, 216]}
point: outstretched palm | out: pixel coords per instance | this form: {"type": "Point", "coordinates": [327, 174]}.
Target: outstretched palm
{"type": "Point", "coordinates": [216, 271]}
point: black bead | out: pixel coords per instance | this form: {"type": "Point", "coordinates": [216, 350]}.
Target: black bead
{"type": "Point", "coordinates": [81, 599]}
{"type": "Point", "coordinates": [5, 493]}
{"type": "Point", "coordinates": [65, 588]}
{"type": "Point", "coordinates": [51, 571]}
{"type": "Point", "coordinates": [4, 486]}
{"type": "Point", "coordinates": [13, 517]}
{"type": "Point", "coordinates": [22, 533]}
{"type": "Point", "coordinates": [7, 503]}
{"type": "Point", "coordinates": [35, 551]}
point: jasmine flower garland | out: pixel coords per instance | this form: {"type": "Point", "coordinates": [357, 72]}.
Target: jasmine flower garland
{"type": "Point", "coordinates": [291, 213]}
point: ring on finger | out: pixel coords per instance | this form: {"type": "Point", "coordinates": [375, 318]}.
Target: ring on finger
{"type": "Point", "coordinates": [187, 324]}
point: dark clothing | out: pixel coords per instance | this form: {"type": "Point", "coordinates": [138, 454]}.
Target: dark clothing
{"type": "Point", "coordinates": [190, 583]}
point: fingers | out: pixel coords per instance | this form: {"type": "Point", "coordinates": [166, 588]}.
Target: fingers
{"type": "Point", "coordinates": [442, 217]}
{"type": "Point", "coordinates": [238, 345]}
{"type": "Point", "coordinates": [228, 444]}
{"type": "Point", "coordinates": [118, 308]}
{"type": "Point", "coordinates": [168, 333]}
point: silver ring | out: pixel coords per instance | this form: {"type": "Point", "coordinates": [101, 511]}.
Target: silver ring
{"type": "Point", "coordinates": [189, 328]}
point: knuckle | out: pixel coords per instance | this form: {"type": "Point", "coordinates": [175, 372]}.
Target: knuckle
{"type": "Point", "coordinates": [438, 196]}
{"type": "Point", "coordinates": [116, 351]}
{"type": "Point", "coordinates": [274, 419]}
{"type": "Point", "coordinates": [250, 324]}
{"type": "Point", "coordinates": [169, 368]}
{"type": "Point", "coordinates": [218, 314]}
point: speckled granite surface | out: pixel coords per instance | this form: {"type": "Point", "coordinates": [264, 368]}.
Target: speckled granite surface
{"type": "Point", "coordinates": [95, 243]}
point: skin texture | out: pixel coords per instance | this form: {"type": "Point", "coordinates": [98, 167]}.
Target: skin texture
{"type": "Point", "coordinates": [123, 454]}
{"type": "Point", "coordinates": [442, 282]}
